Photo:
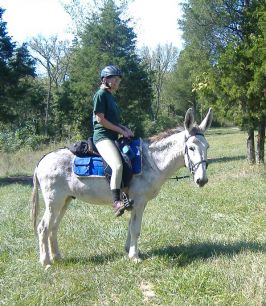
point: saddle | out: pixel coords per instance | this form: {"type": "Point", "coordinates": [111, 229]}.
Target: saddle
{"type": "Point", "coordinates": [88, 162]}
{"type": "Point", "coordinates": [84, 148]}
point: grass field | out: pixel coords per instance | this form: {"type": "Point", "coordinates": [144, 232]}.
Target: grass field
{"type": "Point", "coordinates": [199, 246]}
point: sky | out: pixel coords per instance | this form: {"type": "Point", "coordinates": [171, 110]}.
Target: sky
{"type": "Point", "coordinates": [155, 20]}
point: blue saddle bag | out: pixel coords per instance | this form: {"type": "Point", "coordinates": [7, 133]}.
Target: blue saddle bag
{"type": "Point", "coordinates": [136, 162]}
{"type": "Point", "coordinates": [88, 166]}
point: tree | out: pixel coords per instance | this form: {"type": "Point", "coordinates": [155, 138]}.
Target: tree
{"type": "Point", "coordinates": [159, 63]}
{"type": "Point", "coordinates": [107, 39]}
{"type": "Point", "coordinates": [231, 34]}
{"type": "Point", "coordinates": [16, 67]}
{"type": "Point", "coordinates": [54, 56]}
{"type": "Point", "coordinates": [179, 86]}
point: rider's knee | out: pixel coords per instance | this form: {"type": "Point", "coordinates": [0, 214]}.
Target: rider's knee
{"type": "Point", "coordinates": [118, 168]}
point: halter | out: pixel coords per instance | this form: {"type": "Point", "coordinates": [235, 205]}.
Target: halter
{"type": "Point", "coordinates": [193, 167]}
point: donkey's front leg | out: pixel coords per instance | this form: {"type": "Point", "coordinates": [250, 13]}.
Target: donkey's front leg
{"type": "Point", "coordinates": [134, 231]}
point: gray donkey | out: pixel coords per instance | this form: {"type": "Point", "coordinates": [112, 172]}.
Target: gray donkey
{"type": "Point", "coordinates": [162, 156]}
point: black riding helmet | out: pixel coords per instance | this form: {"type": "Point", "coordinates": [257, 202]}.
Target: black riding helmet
{"type": "Point", "coordinates": [109, 71]}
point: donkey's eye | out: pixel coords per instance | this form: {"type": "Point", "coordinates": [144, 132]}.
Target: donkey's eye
{"type": "Point", "coordinates": [192, 149]}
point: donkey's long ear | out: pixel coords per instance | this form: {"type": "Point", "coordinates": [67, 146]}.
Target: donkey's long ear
{"type": "Point", "coordinates": [206, 123]}
{"type": "Point", "coordinates": [189, 119]}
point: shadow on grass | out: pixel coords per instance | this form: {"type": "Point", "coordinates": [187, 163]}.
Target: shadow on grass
{"type": "Point", "coordinates": [226, 159]}
{"type": "Point", "coordinates": [184, 255]}
{"type": "Point", "coordinates": [21, 179]}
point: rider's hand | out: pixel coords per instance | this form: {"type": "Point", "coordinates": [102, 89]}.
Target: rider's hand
{"type": "Point", "coordinates": [127, 132]}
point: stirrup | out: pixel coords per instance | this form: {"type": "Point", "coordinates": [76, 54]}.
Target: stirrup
{"type": "Point", "coordinates": [128, 203]}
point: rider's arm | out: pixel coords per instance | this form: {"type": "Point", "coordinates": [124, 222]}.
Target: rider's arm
{"type": "Point", "coordinates": [109, 125]}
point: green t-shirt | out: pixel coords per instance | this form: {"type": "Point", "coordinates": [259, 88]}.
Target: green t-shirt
{"type": "Point", "coordinates": [104, 102]}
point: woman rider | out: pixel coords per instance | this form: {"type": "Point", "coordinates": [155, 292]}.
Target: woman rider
{"type": "Point", "coordinates": [107, 127]}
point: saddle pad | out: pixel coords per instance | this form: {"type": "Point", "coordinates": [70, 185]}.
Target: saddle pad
{"type": "Point", "coordinates": [93, 165]}
{"type": "Point", "coordinates": [88, 166]}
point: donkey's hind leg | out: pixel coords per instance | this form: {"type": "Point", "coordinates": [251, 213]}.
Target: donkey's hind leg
{"type": "Point", "coordinates": [52, 239]}
{"type": "Point", "coordinates": [44, 228]}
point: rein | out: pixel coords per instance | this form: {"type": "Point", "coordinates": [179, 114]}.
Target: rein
{"type": "Point", "coordinates": [193, 167]}
{"type": "Point", "coordinates": [177, 178]}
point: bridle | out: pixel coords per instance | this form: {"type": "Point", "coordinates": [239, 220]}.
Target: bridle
{"type": "Point", "coordinates": [191, 166]}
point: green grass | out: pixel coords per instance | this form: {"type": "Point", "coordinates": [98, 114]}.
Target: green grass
{"type": "Point", "coordinates": [200, 246]}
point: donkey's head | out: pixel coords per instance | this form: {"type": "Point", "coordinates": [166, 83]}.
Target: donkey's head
{"type": "Point", "coordinates": [196, 146]}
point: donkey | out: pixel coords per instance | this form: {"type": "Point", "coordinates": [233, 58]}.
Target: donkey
{"type": "Point", "coordinates": [162, 155]}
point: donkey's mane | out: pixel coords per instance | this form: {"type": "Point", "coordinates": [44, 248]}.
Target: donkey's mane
{"type": "Point", "coordinates": [165, 134]}
{"type": "Point", "coordinates": [162, 135]}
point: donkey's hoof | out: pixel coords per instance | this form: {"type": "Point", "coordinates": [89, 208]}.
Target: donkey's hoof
{"type": "Point", "coordinates": [47, 267]}
{"type": "Point", "coordinates": [137, 260]}
{"type": "Point", "coordinates": [45, 262]}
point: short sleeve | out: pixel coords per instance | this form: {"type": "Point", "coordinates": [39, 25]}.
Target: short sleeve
{"type": "Point", "coordinates": [99, 104]}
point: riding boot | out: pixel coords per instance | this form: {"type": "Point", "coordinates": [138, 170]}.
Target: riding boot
{"type": "Point", "coordinates": [118, 205]}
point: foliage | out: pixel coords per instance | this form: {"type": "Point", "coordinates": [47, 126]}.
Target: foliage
{"type": "Point", "coordinates": [159, 64]}
{"type": "Point", "coordinates": [222, 65]}
{"type": "Point", "coordinates": [107, 39]}
{"type": "Point", "coordinates": [59, 103]}
{"type": "Point", "coordinates": [21, 95]}
{"type": "Point", "coordinates": [190, 256]}
{"type": "Point", "coordinates": [232, 33]}
{"type": "Point", "coordinates": [16, 65]}
{"type": "Point", "coordinates": [53, 55]}
{"type": "Point", "coordinates": [231, 36]}
{"type": "Point", "coordinates": [180, 86]}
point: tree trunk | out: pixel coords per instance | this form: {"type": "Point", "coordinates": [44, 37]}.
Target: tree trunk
{"type": "Point", "coordinates": [260, 142]}
{"type": "Point", "coordinates": [157, 105]}
{"type": "Point", "coordinates": [47, 106]}
{"type": "Point", "coordinates": [251, 146]}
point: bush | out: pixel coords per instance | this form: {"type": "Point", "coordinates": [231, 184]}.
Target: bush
{"type": "Point", "coordinates": [11, 141]}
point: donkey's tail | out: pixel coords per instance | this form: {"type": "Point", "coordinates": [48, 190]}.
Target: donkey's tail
{"type": "Point", "coordinates": [35, 201]}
